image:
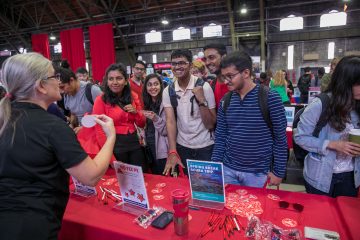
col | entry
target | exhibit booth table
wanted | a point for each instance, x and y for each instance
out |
(88, 218)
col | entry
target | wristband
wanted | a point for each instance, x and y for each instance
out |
(174, 152)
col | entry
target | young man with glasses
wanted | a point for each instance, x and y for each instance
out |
(189, 134)
(213, 53)
(137, 80)
(251, 150)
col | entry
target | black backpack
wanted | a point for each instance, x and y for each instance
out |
(263, 103)
(174, 97)
(299, 152)
(88, 94)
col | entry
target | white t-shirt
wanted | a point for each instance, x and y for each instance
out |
(191, 131)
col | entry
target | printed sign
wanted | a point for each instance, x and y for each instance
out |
(290, 114)
(132, 185)
(206, 180)
(82, 189)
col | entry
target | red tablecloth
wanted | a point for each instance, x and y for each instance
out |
(87, 218)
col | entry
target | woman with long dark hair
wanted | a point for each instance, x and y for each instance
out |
(123, 106)
(332, 166)
(155, 131)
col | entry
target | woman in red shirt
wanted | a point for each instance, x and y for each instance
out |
(123, 106)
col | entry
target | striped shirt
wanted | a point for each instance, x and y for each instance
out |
(243, 141)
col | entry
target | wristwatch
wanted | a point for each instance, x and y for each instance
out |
(204, 104)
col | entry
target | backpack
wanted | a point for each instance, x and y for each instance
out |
(213, 84)
(263, 103)
(299, 152)
(174, 97)
(88, 94)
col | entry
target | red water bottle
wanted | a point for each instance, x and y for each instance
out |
(180, 200)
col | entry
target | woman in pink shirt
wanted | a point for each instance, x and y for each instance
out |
(123, 106)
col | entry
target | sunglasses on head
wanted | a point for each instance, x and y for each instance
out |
(296, 206)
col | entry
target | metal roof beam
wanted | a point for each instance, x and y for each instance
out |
(60, 20)
(84, 10)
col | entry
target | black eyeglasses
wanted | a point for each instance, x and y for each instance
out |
(296, 206)
(229, 77)
(56, 76)
(180, 64)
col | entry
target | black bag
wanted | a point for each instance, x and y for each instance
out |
(299, 152)
(88, 94)
(174, 97)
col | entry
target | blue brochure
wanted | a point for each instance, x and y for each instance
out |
(206, 180)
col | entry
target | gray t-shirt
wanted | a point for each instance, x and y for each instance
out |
(78, 104)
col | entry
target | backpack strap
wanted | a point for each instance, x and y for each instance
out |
(88, 94)
(173, 98)
(325, 101)
(199, 82)
(213, 84)
(263, 103)
(225, 102)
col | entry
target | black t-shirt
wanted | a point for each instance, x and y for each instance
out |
(33, 180)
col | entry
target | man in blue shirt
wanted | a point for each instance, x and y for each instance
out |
(251, 151)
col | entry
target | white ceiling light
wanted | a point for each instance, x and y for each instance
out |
(164, 21)
(52, 37)
(243, 9)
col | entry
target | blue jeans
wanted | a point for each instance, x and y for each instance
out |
(244, 178)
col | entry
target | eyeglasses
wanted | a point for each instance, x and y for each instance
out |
(180, 64)
(229, 77)
(155, 84)
(296, 206)
(56, 76)
(139, 69)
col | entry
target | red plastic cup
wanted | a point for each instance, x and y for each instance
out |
(180, 200)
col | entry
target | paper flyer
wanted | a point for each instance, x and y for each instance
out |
(132, 185)
(82, 189)
(206, 180)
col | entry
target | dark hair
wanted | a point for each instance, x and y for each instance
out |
(65, 64)
(263, 75)
(140, 62)
(65, 74)
(241, 61)
(307, 69)
(321, 71)
(218, 47)
(286, 74)
(148, 103)
(345, 76)
(82, 70)
(182, 53)
(109, 96)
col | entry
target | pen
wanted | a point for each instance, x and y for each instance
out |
(193, 208)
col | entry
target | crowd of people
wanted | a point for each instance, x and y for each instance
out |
(213, 111)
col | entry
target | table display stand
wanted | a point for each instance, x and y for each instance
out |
(206, 204)
(130, 208)
(86, 194)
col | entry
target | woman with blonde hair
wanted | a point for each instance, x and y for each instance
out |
(279, 84)
(38, 151)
